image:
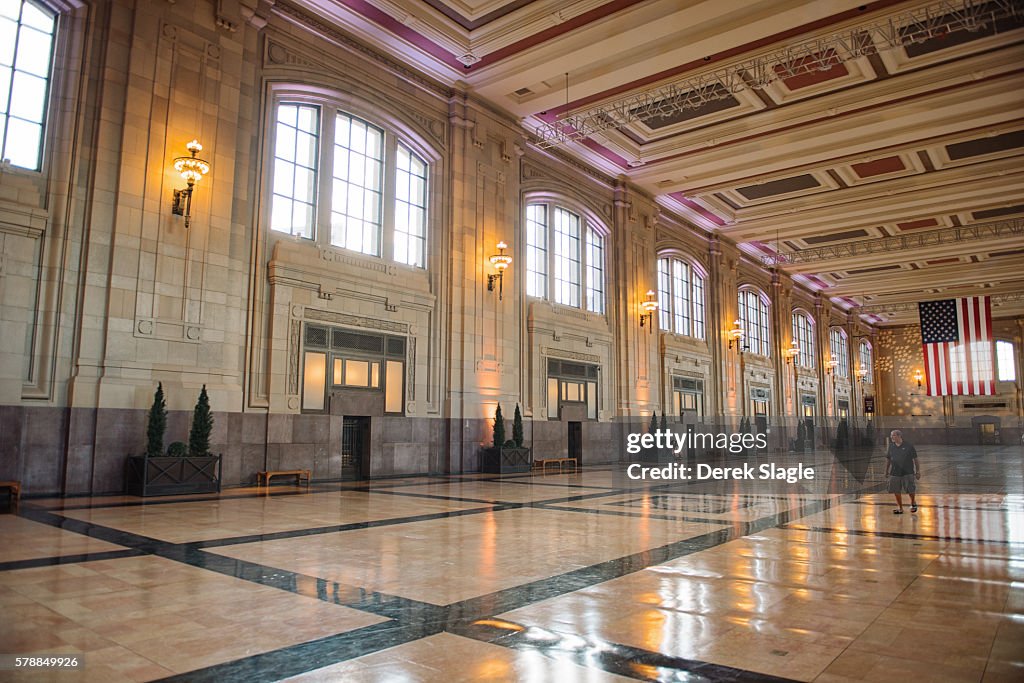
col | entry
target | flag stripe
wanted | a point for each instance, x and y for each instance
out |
(956, 340)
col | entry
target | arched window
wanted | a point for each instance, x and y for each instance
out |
(840, 351)
(26, 29)
(803, 335)
(866, 369)
(572, 269)
(680, 297)
(1006, 368)
(344, 182)
(753, 310)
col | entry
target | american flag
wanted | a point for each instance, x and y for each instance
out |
(956, 335)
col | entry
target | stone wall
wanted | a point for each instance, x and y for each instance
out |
(104, 293)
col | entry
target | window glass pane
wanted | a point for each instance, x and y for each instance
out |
(375, 375)
(664, 293)
(358, 153)
(698, 306)
(592, 400)
(680, 297)
(28, 97)
(314, 381)
(36, 18)
(567, 257)
(23, 143)
(357, 373)
(305, 150)
(10, 9)
(8, 33)
(753, 312)
(572, 391)
(33, 52)
(410, 209)
(1005, 364)
(394, 385)
(336, 379)
(866, 364)
(295, 169)
(595, 271)
(537, 251)
(839, 351)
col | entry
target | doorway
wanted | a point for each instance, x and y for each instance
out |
(355, 447)
(576, 441)
(808, 406)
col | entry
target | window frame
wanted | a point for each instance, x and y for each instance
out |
(752, 299)
(803, 335)
(396, 132)
(869, 364)
(695, 279)
(50, 79)
(591, 290)
(1013, 360)
(839, 351)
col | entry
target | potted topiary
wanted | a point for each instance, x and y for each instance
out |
(506, 455)
(184, 469)
(655, 454)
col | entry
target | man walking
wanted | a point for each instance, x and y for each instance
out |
(902, 470)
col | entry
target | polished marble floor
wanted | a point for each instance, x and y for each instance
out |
(558, 577)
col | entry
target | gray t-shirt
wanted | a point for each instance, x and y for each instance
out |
(902, 457)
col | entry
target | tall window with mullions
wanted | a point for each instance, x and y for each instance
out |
(753, 311)
(296, 152)
(680, 297)
(26, 61)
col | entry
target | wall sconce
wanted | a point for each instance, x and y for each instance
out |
(832, 366)
(919, 376)
(500, 261)
(792, 352)
(736, 334)
(862, 374)
(649, 306)
(192, 169)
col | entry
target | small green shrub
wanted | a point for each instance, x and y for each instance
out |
(178, 449)
(499, 428)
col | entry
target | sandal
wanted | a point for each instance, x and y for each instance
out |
(897, 511)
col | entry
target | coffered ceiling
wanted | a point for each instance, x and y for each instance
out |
(818, 135)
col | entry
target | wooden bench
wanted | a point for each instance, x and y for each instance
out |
(560, 462)
(263, 477)
(15, 489)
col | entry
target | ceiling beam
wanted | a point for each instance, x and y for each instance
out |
(909, 27)
(956, 234)
(907, 306)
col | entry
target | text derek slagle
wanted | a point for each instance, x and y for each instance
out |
(704, 472)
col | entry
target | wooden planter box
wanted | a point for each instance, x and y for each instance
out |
(505, 460)
(166, 475)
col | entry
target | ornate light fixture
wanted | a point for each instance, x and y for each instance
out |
(862, 374)
(500, 261)
(919, 376)
(792, 352)
(192, 169)
(649, 307)
(736, 334)
(832, 364)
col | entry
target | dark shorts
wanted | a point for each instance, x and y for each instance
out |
(905, 484)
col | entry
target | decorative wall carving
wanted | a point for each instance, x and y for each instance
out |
(328, 31)
(294, 335)
(356, 321)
